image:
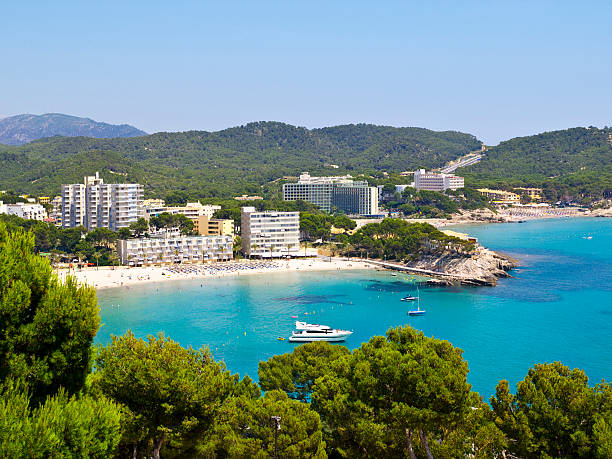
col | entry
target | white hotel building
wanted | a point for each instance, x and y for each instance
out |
(432, 181)
(192, 210)
(27, 211)
(174, 249)
(95, 204)
(270, 234)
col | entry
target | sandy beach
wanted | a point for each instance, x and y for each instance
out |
(121, 276)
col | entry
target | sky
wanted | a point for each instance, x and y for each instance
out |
(494, 69)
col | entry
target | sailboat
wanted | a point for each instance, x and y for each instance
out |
(411, 297)
(418, 311)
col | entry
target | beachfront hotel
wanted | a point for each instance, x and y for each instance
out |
(27, 211)
(334, 193)
(432, 181)
(95, 204)
(174, 249)
(500, 196)
(270, 234)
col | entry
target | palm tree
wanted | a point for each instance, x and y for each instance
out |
(96, 255)
(254, 247)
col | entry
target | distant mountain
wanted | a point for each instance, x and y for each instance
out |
(229, 162)
(20, 129)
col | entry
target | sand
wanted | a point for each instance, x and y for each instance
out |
(121, 276)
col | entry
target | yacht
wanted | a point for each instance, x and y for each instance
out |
(314, 332)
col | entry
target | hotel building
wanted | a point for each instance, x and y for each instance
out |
(27, 211)
(193, 210)
(500, 196)
(174, 249)
(432, 181)
(206, 226)
(270, 234)
(535, 194)
(331, 193)
(95, 204)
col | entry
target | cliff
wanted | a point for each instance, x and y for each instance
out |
(481, 267)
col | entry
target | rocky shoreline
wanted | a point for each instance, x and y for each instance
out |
(480, 267)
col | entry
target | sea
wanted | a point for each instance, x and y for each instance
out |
(557, 306)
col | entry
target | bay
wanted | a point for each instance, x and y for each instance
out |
(557, 306)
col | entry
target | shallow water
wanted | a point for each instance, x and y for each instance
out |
(558, 306)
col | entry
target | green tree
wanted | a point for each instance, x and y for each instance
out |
(47, 326)
(296, 372)
(394, 394)
(245, 428)
(553, 413)
(63, 426)
(139, 227)
(172, 393)
(124, 233)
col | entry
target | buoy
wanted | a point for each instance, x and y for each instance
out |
(244, 333)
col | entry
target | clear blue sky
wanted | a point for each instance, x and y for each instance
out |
(494, 69)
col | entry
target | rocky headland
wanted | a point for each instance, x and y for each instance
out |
(478, 267)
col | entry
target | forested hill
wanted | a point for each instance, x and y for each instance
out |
(20, 129)
(576, 161)
(229, 162)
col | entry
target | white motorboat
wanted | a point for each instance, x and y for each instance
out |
(306, 333)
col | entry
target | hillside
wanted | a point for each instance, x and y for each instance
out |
(576, 162)
(20, 129)
(228, 162)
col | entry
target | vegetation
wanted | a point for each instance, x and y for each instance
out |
(45, 357)
(554, 413)
(62, 426)
(403, 394)
(396, 239)
(47, 326)
(191, 165)
(574, 163)
(433, 204)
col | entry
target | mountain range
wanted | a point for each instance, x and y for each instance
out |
(254, 158)
(20, 129)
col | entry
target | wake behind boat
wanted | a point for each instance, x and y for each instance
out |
(306, 333)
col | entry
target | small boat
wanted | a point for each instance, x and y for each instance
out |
(394, 274)
(306, 333)
(280, 338)
(410, 298)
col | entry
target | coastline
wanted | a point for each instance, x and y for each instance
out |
(125, 277)
(512, 215)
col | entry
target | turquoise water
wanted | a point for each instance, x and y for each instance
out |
(558, 306)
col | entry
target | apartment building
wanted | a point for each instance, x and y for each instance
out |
(174, 249)
(334, 193)
(206, 226)
(191, 210)
(270, 234)
(27, 211)
(432, 181)
(95, 204)
(500, 196)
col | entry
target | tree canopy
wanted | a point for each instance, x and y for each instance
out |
(47, 326)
